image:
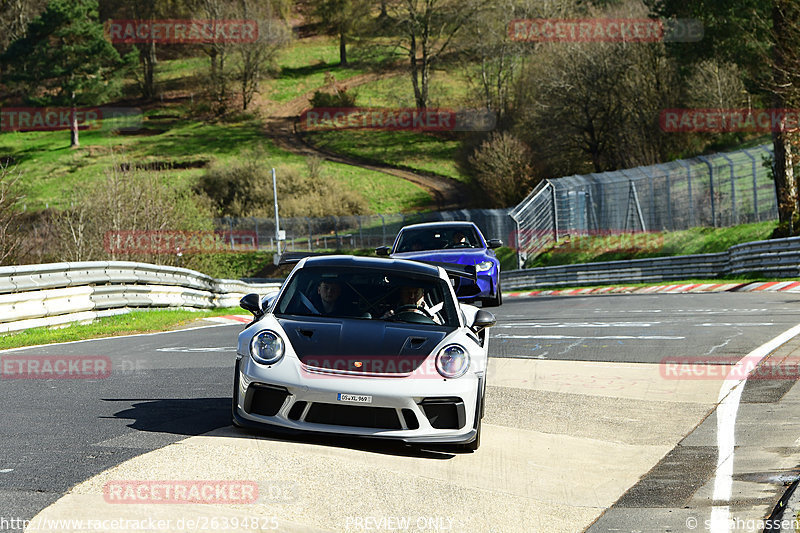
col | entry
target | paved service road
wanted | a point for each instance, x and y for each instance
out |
(582, 430)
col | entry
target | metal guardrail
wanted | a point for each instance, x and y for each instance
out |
(60, 293)
(779, 258)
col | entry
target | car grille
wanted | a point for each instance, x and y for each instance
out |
(355, 416)
(445, 413)
(264, 400)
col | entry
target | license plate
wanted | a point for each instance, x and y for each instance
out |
(354, 398)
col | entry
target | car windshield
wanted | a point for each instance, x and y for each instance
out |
(369, 294)
(439, 238)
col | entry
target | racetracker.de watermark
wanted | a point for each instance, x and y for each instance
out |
(331, 367)
(181, 491)
(55, 367)
(61, 118)
(729, 120)
(395, 119)
(189, 31)
(141, 242)
(606, 30)
(728, 368)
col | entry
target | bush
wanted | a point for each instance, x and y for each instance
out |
(502, 166)
(339, 98)
(245, 190)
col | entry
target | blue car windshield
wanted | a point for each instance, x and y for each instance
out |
(439, 238)
(370, 294)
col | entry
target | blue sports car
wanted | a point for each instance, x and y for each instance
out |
(453, 242)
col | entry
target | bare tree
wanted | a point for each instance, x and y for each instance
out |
(429, 29)
(252, 60)
(10, 236)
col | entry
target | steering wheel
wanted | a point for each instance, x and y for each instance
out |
(411, 308)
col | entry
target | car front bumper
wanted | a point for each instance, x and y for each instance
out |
(288, 398)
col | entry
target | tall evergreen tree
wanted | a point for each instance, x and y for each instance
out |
(65, 60)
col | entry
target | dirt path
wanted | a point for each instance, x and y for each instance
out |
(280, 127)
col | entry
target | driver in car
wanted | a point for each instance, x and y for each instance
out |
(412, 300)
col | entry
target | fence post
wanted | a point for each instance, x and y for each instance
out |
(710, 165)
(755, 184)
(555, 211)
(686, 164)
(310, 236)
(670, 223)
(360, 234)
(735, 209)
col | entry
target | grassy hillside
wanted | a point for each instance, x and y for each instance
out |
(182, 138)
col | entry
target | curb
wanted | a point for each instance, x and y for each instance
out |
(769, 286)
(788, 502)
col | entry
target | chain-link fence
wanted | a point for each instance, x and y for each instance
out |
(351, 232)
(716, 190)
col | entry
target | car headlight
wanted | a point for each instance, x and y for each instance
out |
(452, 361)
(266, 348)
(483, 266)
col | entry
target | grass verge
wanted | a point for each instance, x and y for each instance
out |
(146, 321)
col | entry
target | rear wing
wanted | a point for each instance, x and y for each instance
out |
(453, 269)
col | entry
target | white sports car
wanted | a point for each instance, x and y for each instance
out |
(365, 347)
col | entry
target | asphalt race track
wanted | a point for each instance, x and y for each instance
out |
(584, 428)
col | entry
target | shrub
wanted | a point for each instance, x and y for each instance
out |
(503, 170)
(244, 189)
(339, 98)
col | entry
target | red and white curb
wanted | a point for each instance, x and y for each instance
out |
(770, 286)
(230, 319)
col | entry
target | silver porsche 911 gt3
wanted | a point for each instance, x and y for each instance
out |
(365, 347)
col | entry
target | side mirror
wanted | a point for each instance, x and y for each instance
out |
(252, 302)
(494, 243)
(483, 319)
(382, 250)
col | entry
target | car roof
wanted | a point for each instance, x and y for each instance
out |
(442, 224)
(350, 261)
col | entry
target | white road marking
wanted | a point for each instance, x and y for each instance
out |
(577, 325)
(6, 470)
(610, 337)
(185, 349)
(730, 325)
(729, 395)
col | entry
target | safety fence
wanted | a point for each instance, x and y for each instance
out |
(61, 293)
(352, 232)
(718, 190)
(778, 258)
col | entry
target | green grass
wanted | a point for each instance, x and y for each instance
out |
(51, 170)
(644, 245)
(307, 65)
(131, 323)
